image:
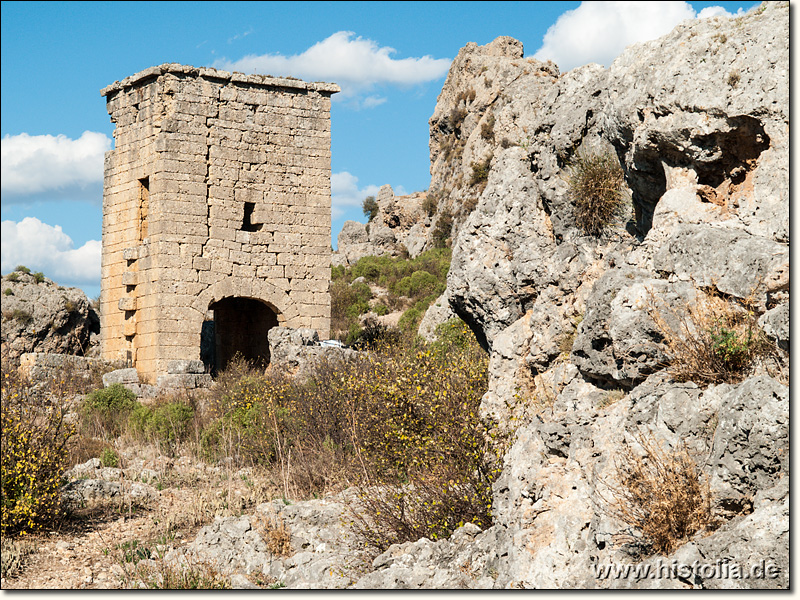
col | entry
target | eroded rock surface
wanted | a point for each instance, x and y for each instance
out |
(41, 316)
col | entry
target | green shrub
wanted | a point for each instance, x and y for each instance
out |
(370, 207)
(371, 268)
(338, 272)
(429, 204)
(109, 457)
(8, 292)
(480, 172)
(410, 319)
(419, 283)
(12, 277)
(22, 269)
(381, 309)
(38, 277)
(595, 182)
(105, 412)
(33, 452)
(454, 333)
(166, 423)
(443, 229)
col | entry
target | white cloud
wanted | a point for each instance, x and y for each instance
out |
(356, 64)
(598, 32)
(37, 164)
(718, 11)
(373, 101)
(42, 247)
(345, 193)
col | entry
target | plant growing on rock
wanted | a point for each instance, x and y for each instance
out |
(660, 494)
(480, 171)
(429, 204)
(19, 315)
(595, 186)
(443, 228)
(715, 340)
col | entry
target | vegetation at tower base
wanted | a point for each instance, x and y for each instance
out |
(401, 420)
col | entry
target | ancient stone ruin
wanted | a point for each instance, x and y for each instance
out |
(216, 215)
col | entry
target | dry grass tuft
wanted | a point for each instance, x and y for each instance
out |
(660, 494)
(595, 181)
(713, 341)
(274, 532)
(163, 576)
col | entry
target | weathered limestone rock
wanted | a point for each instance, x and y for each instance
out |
(217, 198)
(618, 342)
(296, 351)
(401, 225)
(46, 318)
(41, 365)
(714, 152)
(437, 314)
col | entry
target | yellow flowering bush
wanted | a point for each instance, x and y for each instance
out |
(34, 452)
(400, 421)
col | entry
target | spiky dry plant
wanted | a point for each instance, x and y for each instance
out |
(658, 493)
(595, 180)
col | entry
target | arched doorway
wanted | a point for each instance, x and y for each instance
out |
(239, 326)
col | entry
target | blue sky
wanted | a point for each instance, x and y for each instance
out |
(391, 59)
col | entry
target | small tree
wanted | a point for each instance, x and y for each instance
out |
(370, 207)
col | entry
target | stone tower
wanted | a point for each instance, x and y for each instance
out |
(216, 215)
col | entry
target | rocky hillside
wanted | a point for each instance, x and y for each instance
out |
(638, 367)
(699, 123)
(587, 332)
(400, 226)
(41, 316)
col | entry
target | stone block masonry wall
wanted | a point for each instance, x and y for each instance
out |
(217, 194)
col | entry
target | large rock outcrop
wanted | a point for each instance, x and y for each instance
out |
(41, 316)
(699, 122)
(401, 225)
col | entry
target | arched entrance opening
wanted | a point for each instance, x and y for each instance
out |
(239, 326)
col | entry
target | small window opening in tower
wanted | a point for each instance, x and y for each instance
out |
(144, 206)
(247, 224)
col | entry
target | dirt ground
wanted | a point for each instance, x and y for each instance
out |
(106, 545)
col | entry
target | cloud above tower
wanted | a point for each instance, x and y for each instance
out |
(357, 64)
